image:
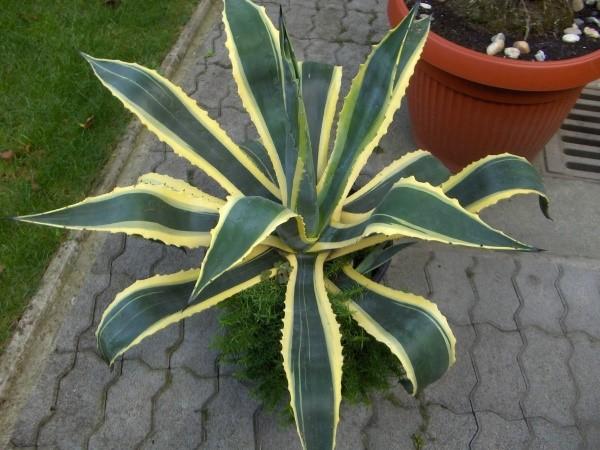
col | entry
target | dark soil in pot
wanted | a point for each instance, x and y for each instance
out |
(476, 37)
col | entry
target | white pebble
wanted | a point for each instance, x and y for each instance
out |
(572, 30)
(591, 32)
(498, 37)
(512, 52)
(523, 47)
(570, 38)
(495, 47)
(590, 2)
(425, 5)
(540, 56)
(577, 5)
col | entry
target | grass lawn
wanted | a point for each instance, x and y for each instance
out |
(47, 92)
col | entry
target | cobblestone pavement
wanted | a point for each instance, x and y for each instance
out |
(527, 325)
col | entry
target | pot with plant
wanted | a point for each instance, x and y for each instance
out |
(288, 234)
(499, 76)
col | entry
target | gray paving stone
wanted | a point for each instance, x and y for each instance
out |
(127, 417)
(499, 434)
(229, 417)
(328, 25)
(113, 246)
(79, 405)
(175, 166)
(592, 435)
(542, 305)
(350, 56)
(581, 288)
(79, 317)
(407, 270)
(363, 5)
(274, 433)
(586, 367)
(399, 140)
(299, 19)
(139, 257)
(234, 122)
(551, 391)
(380, 25)
(176, 259)
(217, 53)
(498, 301)
(452, 291)
(356, 27)
(155, 350)
(447, 430)
(178, 412)
(453, 389)
(213, 85)
(188, 76)
(353, 420)
(196, 351)
(501, 384)
(396, 419)
(145, 161)
(206, 184)
(41, 401)
(322, 51)
(549, 436)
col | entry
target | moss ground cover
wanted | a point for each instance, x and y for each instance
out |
(57, 125)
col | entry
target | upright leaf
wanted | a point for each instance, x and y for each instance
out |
(299, 166)
(321, 85)
(253, 45)
(368, 110)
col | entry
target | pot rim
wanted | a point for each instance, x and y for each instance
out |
(502, 72)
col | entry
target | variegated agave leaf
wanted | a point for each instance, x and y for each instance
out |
(289, 202)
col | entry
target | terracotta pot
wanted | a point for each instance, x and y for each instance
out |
(465, 105)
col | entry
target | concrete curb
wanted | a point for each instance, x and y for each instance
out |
(21, 362)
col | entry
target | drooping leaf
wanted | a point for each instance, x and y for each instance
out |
(411, 326)
(419, 210)
(157, 207)
(419, 164)
(177, 120)
(148, 306)
(496, 177)
(312, 353)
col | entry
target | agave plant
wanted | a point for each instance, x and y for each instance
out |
(290, 207)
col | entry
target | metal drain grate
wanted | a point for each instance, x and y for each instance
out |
(575, 149)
